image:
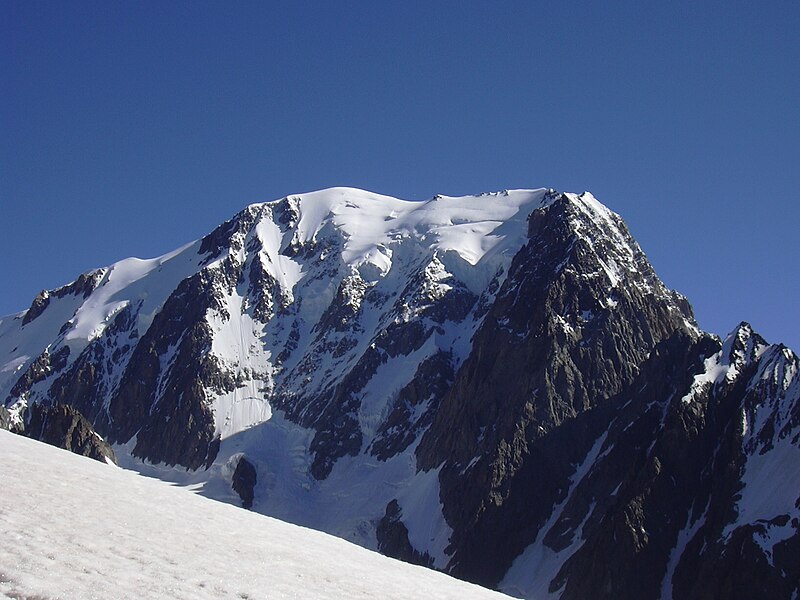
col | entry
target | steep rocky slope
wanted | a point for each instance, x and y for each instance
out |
(497, 386)
(62, 426)
(691, 490)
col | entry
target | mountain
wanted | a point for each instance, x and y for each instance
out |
(118, 535)
(495, 386)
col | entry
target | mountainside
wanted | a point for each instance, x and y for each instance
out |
(496, 386)
(117, 535)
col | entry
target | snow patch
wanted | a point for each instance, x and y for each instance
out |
(15, 364)
(422, 515)
(684, 537)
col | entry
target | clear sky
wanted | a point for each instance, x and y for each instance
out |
(129, 128)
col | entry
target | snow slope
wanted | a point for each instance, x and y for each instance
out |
(75, 528)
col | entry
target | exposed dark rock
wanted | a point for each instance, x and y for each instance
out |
(291, 343)
(338, 433)
(38, 306)
(230, 235)
(665, 467)
(83, 286)
(561, 338)
(88, 382)
(63, 426)
(287, 212)
(333, 416)
(425, 299)
(393, 539)
(180, 429)
(743, 570)
(654, 445)
(265, 291)
(244, 481)
(41, 368)
(415, 406)
(342, 311)
(5, 418)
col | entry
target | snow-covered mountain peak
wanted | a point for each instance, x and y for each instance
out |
(306, 257)
(741, 351)
(742, 346)
(377, 258)
(439, 380)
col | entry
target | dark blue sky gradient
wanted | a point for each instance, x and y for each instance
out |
(131, 128)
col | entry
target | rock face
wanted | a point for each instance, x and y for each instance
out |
(244, 481)
(393, 539)
(563, 336)
(498, 386)
(63, 426)
(668, 503)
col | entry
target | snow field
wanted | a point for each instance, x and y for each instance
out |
(75, 528)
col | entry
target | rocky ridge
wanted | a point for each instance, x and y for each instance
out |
(60, 425)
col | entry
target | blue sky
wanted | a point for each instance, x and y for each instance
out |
(127, 129)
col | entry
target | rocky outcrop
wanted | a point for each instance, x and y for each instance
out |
(63, 426)
(393, 541)
(37, 307)
(90, 380)
(5, 418)
(414, 407)
(172, 360)
(563, 336)
(244, 481)
(83, 286)
(662, 506)
(651, 466)
(39, 370)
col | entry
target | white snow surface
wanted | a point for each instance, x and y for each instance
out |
(76, 528)
(466, 225)
(237, 343)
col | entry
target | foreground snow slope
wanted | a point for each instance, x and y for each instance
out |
(74, 528)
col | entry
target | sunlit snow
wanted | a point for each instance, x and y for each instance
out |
(74, 528)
